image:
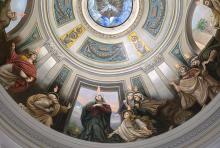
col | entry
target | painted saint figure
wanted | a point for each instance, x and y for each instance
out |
(6, 15)
(214, 5)
(95, 119)
(44, 107)
(193, 87)
(19, 72)
(131, 129)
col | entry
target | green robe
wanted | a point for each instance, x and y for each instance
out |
(96, 122)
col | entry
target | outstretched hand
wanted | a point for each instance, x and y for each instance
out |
(110, 135)
(69, 106)
(29, 79)
(172, 83)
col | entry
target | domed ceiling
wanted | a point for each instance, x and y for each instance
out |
(113, 35)
(92, 51)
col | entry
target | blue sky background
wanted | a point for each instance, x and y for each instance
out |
(17, 6)
(200, 12)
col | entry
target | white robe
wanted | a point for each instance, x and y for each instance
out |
(130, 130)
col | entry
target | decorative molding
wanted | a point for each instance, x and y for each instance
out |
(155, 17)
(153, 63)
(54, 51)
(177, 53)
(32, 38)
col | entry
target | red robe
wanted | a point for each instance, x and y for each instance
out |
(18, 65)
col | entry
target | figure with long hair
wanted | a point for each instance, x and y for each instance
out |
(95, 119)
(44, 107)
(131, 129)
(19, 72)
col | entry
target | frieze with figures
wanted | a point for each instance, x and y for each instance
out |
(102, 52)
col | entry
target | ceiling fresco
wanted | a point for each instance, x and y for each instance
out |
(110, 71)
(110, 13)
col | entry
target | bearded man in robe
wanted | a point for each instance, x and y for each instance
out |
(210, 58)
(95, 119)
(193, 87)
(214, 5)
(6, 15)
(19, 72)
(44, 107)
(195, 63)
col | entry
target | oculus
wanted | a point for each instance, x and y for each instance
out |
(110, 13)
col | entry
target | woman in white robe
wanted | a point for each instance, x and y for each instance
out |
(131, 129)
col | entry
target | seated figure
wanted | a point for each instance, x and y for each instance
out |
(214, 5)
(210, 58)
(147, 110)
(131, 129)
(19, 72)
(6, 15)
(195, 63)
(193, 87)
(44, 107)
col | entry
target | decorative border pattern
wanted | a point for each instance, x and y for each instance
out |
(72, 36)
(153, 63)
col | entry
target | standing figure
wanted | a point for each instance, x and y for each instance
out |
(44, 107)
(20, 72)
(95, 119)
(214, 5)
(131, 129)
